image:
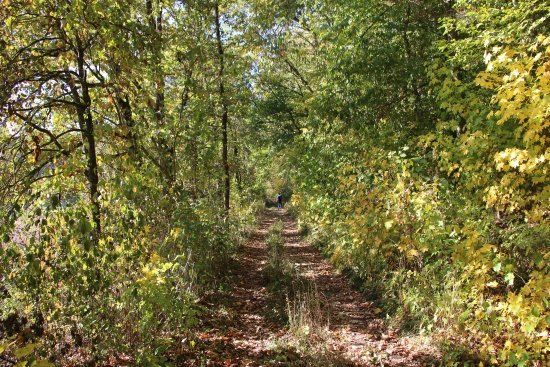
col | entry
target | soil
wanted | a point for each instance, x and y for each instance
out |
(312, 317)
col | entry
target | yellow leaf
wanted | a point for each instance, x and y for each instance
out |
(412, 253)
(176, 232)
(155, 257)
(388, 224)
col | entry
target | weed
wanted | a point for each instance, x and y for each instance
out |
(275, 242)
(306, 319)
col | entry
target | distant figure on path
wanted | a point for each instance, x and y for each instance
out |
(279, 201)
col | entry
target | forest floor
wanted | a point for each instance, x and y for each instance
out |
(308, 315)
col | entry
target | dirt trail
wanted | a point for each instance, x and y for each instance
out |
(248, 323)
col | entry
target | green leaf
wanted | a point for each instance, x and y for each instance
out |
(513, 358)
(535, 311)
(87, 244)
(85, 226)
(3, 346)
(26, 350)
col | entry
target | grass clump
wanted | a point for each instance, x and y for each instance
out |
(275, 242)
(307, 319)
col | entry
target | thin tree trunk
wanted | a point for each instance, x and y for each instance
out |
(166, 160)
(86, 124)
(238, 177)
(225, 115)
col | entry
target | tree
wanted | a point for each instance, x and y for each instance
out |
(225, 109)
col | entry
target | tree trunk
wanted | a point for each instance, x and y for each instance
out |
(238, 177)
(86, 124)
(166, 160)
(225, 115)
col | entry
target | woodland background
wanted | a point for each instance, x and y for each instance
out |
(139, 138)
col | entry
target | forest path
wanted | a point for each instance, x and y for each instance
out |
(259, 321)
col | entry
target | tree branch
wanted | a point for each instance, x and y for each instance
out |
(296, 72)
